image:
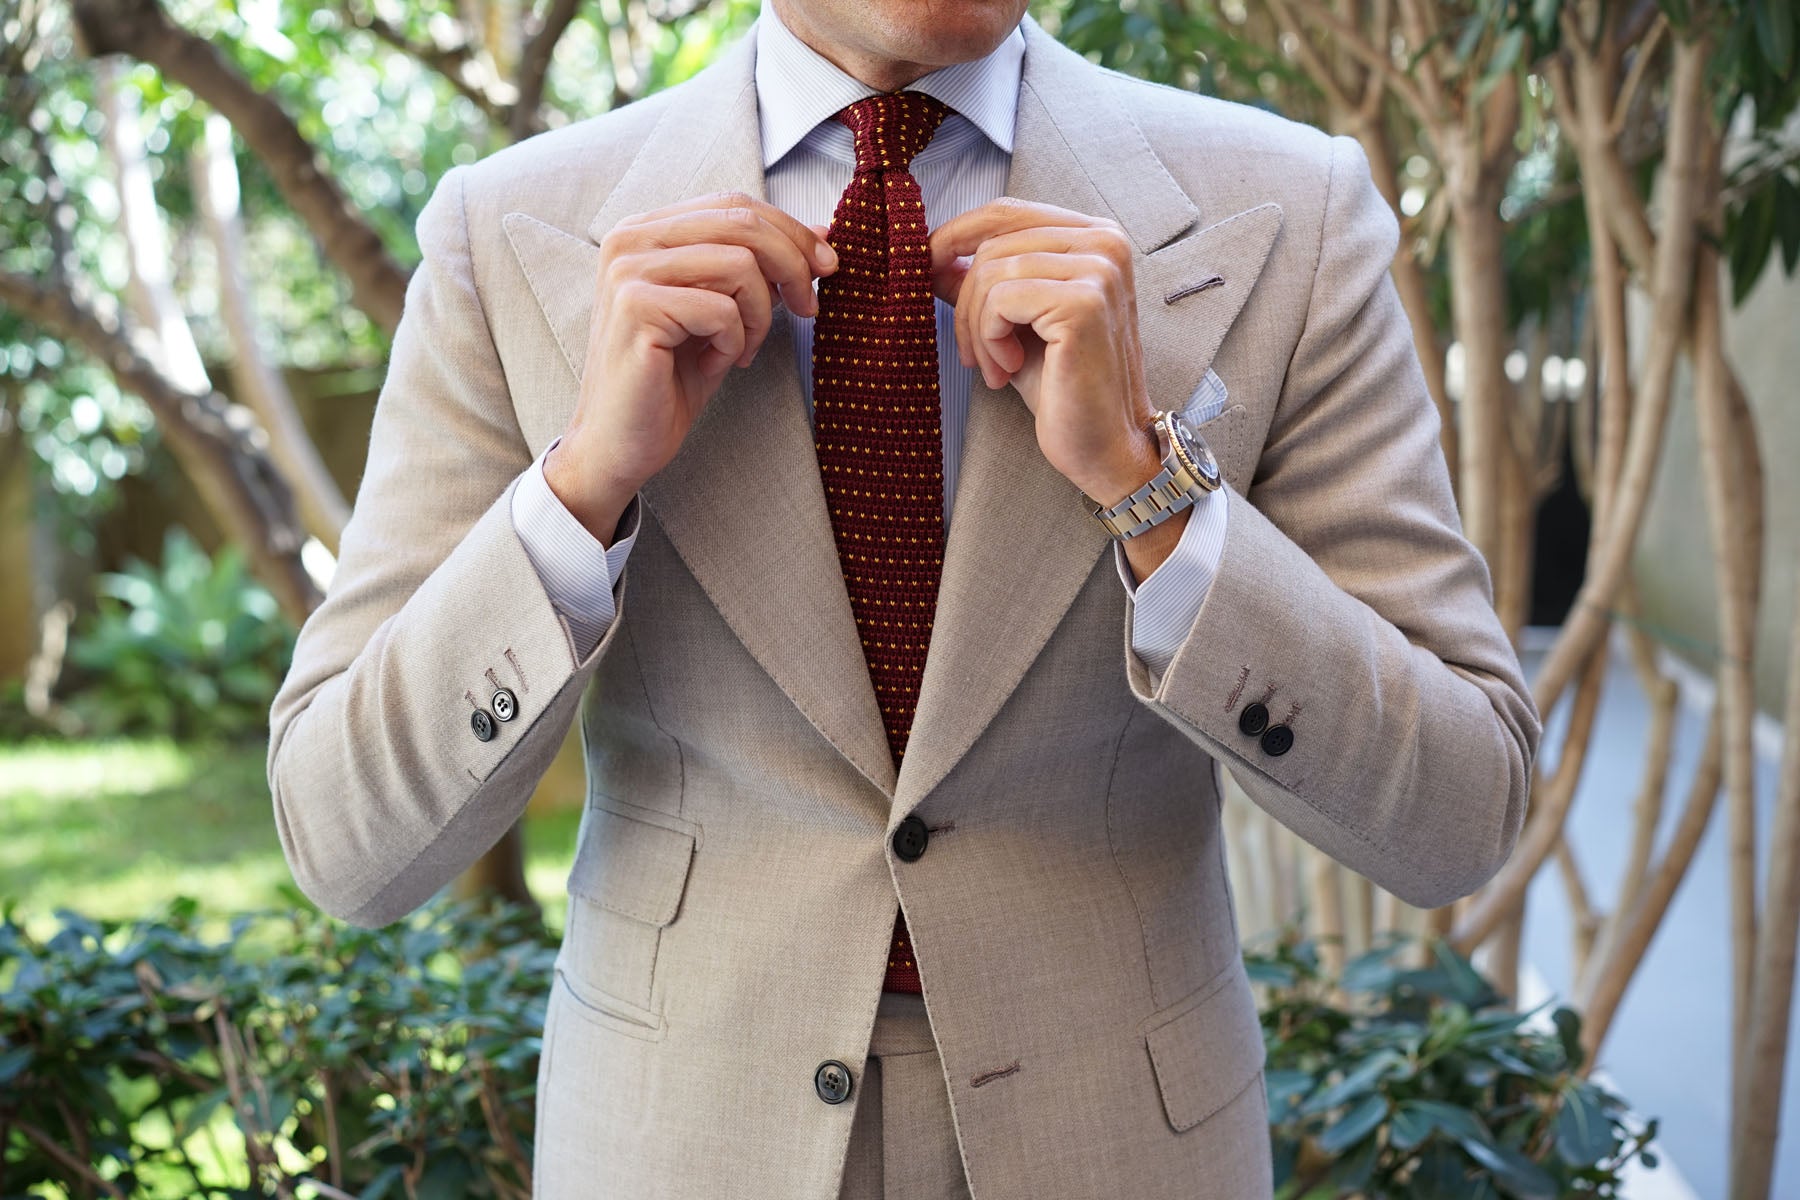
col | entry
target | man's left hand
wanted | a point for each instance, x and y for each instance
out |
(1045, 301)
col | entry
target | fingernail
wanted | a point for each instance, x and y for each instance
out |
(827, 257)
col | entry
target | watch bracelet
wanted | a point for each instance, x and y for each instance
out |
(1145, 508)
(1165, 494)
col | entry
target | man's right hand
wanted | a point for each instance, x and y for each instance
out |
(683, 294)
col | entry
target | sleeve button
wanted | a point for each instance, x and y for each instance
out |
(1254, 719)
(1277, 740)
(506, 705)
(482, 724)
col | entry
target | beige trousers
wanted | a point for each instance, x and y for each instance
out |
(902, 1140)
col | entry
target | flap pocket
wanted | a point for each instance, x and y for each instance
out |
(1207, 1047)
(631, 866)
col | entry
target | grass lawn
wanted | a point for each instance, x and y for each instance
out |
(117, 829)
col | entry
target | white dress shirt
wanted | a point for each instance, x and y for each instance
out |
(808, 161)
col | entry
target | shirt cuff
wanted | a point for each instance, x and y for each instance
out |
(578, 573)
(1168, 600)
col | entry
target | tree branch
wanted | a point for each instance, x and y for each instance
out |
(455, 63)
(1351, 39)
(217, 447)
(534, 68)
(140, 29)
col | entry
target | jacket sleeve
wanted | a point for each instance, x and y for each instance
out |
(1350, 605)
(382, 790)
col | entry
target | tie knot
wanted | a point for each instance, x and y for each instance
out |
(892, 127)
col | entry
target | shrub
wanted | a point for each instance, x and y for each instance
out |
(193, 648)
(381, 1062)
(146, 1059)
(1428, 1085)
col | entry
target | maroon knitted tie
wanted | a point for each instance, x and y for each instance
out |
(876, 415)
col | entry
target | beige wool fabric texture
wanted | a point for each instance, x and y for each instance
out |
(733, 888)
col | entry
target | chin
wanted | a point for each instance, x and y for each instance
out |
(938, 34)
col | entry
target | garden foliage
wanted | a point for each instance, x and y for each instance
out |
(192, 648)
(1422, 1082)
(149, 1058)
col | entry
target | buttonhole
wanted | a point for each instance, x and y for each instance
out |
(946, 827)
(493, 679)
(1293, 711)
(512, 658)
(470, 697)
(1211, 281)
(1237, 689)
(997, 1073)
(1267, 692)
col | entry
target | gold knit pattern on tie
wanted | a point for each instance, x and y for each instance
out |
(877, 416)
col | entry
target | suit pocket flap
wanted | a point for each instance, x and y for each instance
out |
(631, 866)
(1208, 1049)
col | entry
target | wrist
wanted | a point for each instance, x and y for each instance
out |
(1137, 464)
(593, 496)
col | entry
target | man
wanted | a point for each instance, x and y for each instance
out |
(901, 872)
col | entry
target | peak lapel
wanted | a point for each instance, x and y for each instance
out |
(742, 500)
(1021, 542)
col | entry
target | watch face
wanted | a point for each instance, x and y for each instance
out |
(1194, 450)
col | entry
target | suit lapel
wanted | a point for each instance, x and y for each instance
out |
(742, 501)
(1021, 542)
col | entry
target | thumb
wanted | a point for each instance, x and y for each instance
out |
(947, 280)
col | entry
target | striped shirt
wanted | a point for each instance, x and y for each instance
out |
(808, 160)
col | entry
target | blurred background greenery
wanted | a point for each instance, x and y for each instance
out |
(206, 227)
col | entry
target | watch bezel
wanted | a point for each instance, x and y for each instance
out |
(1189, 448)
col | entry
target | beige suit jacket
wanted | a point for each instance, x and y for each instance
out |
(734, 887)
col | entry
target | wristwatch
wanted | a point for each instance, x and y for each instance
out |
(1189, 472)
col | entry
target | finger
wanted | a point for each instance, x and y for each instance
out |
(1034, 303)
(668, 317)
(1100, 239)
(964, 234)
(731, 270)
(809, 239)
(1005, 353)
(779, 259)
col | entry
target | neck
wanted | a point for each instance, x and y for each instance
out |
(882, 74)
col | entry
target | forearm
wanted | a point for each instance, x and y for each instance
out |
(1408, 768)
(382, 789)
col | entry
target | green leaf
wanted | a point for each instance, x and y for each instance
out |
(1410, 1127)
(1354, 1125)
(1752, 237)
(1775, 33)
(1584, 1133)
(1504, 59)
(1515, 1174)
(1543, 18)
(1371, 971)
(1350, 1174)
(1360, 1081)
(1787, 208)
(1568, 1032)
(1283, 1088)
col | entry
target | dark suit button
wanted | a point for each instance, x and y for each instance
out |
(832, 1081)
(910, 838)
(506, 705)
(1254, 719)
(482, 724)
(1276, 739)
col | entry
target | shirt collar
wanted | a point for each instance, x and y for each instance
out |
(797, 87)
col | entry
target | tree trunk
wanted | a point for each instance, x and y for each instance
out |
(322, 506)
